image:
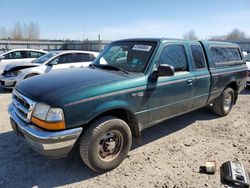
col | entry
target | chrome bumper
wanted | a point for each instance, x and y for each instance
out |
(51, 144)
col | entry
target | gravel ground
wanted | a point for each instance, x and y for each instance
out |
(170, 155)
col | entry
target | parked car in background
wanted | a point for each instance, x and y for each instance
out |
(16, 72)
(248, 67)
(20, 55)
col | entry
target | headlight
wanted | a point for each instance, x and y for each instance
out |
(13, 73)
(41, 110)
(48, 117)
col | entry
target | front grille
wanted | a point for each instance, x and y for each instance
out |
(23, 106)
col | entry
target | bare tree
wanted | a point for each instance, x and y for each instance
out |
(3, 33)
(190, 35)
(20, 31)
(235, 34)
(33, 31)
(17, 33)
(217, 37)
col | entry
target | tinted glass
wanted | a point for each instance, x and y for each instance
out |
(222, 54)
(67, 58)
(16, 55)
(219, 54)
(198, 57)
(82, 58)
(132, 56)
(34, 54)
(45, 57)
(233, 54)
(175, 56)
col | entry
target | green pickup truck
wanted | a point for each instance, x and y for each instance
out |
(132, 85)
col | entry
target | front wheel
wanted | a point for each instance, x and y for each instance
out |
(105, 143)
(223, 104)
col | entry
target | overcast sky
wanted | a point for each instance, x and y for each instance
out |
(116, 19)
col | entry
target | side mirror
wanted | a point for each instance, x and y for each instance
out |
(165, 70)
(1, 57)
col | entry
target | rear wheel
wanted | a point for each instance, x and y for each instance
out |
(223, 104)
(105, 143)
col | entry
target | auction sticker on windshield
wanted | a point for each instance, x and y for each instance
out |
(140, 47)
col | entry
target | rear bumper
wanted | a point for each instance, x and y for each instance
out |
(52, 144)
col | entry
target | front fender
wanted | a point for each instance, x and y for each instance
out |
(107, 106)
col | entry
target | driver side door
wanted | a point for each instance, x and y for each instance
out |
(172, 95)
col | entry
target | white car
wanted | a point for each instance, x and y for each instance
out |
(20, 56)
(16, 72)
(248, 67)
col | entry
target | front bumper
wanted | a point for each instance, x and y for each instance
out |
(52, 144)
(8, 82)
(248, 81)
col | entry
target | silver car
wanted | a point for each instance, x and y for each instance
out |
(16, 72)
(248, 67)
(20, 56)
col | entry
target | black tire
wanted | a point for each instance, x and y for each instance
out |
(30, 75)
(108, 136)
(224, 103)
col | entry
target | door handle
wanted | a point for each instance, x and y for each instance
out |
(71, 66)
(190, 82)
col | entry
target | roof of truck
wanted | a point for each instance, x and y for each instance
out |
(178, 40)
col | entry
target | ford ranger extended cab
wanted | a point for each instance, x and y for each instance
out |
(133, 84)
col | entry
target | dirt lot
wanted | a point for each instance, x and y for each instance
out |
(170, 155)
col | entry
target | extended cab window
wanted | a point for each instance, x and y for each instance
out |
(198, 57)
(174, 55)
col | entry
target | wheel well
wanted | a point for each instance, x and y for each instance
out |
(234, 86)
(31, 74)
(126, 116)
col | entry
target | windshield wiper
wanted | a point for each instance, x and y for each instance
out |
(108, 66)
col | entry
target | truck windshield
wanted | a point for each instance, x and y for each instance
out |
(131, 56)
(45, 58)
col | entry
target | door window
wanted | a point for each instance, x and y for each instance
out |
(174, 55)
(16, 55)
(32, 54)
(82, 58)
(67, 58)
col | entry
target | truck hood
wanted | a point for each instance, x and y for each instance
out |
(50, 87)
(16, 66)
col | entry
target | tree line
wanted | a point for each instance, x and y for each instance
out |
(21, 31)
(31, 31)
(235, 34)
